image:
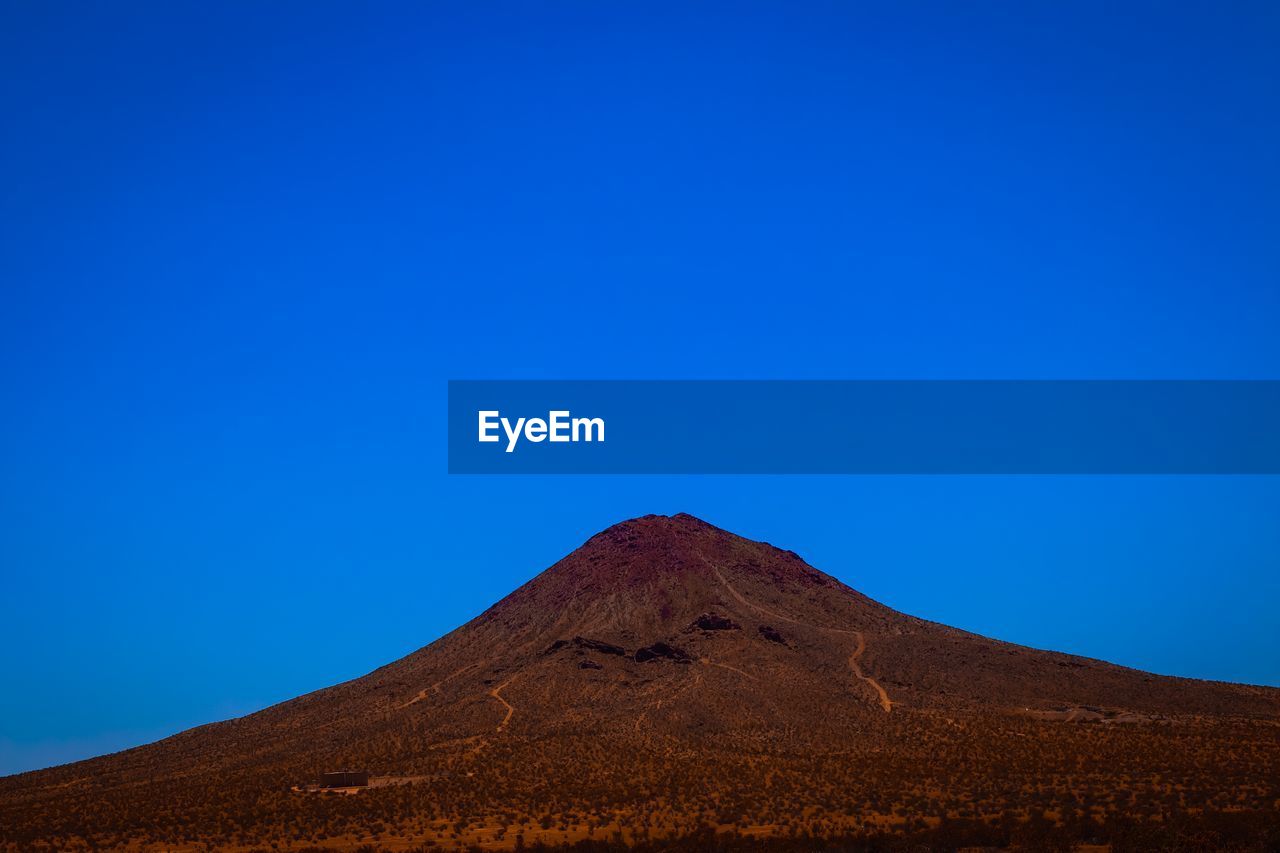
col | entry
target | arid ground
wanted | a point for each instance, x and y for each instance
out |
(672, 686)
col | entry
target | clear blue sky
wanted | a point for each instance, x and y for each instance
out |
(244, 245)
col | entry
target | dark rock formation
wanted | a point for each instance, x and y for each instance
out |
(771, 635)
(713, 622)
(662, 651)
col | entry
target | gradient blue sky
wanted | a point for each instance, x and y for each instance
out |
(245, 245)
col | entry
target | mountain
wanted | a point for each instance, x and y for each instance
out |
(669, 680)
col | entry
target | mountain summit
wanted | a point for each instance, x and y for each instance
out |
(665, 676)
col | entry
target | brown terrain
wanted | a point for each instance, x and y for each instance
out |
(669, 685)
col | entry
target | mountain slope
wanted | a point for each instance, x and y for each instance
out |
(668, 674)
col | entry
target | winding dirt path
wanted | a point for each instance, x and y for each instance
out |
(510, 708)
(710, 662)
(856, 665)
(435, 688)
(855, 659)
(757, 608)
(476, 742)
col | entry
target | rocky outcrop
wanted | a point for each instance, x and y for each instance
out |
(713, 622)
(662, 651)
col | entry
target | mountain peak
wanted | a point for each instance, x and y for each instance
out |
(668, 655)
(648, 578)
(680, 542)
(653, 523)
(656, 534)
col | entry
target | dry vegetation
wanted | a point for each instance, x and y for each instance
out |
(993, 781)
(670, 686)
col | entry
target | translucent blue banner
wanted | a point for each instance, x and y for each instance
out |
(864, 427)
